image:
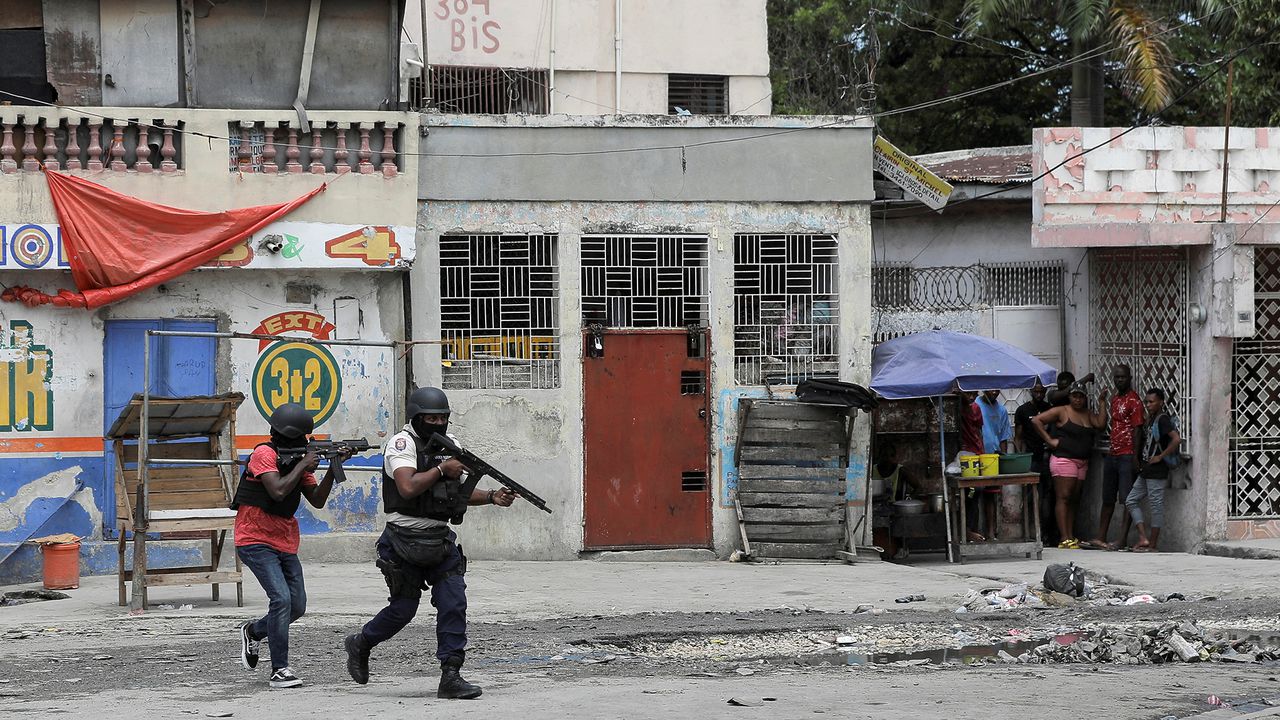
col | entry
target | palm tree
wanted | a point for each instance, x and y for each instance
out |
(1133, 32)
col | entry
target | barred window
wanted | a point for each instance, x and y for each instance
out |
(499, 308)
(644, 281)
(697, 94)
(786, 307)
(483, 90)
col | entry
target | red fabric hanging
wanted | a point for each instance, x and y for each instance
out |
(118, 245)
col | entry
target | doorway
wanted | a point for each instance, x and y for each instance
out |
(646, 439)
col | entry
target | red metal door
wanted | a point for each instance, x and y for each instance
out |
(646, 424)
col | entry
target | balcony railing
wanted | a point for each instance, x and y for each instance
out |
(330, 147)
(62, 140)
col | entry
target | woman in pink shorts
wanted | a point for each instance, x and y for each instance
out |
(1074, 430)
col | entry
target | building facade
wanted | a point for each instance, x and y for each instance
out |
(513, 250)
(592, 57)
(1179, 232)
(142, 125)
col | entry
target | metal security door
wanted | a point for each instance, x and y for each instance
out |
(647, 448)
(1253, 486)
(179, 366)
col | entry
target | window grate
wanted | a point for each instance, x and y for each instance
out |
(693, 481)
(499, 311)
(693, 382)
(786, 307)
(698, 94)
(644, 281)
(483, 90)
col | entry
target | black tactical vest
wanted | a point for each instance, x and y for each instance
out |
(445, 500)
(255, 493)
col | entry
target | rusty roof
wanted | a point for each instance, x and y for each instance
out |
(991, 166)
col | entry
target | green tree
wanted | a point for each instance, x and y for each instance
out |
(1135, 34)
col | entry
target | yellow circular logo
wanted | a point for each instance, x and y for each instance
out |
(296, 372)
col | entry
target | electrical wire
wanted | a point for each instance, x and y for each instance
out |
(683, 146)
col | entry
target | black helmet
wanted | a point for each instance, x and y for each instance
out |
(292, 421)
(427, 401)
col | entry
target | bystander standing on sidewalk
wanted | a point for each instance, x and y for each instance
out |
(1160, 452)
(1119, 467)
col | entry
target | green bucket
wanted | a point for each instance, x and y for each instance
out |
(1015, 463)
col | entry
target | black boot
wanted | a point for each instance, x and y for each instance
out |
(358, 657)
(452, 685)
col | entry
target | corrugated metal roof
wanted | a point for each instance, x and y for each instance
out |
(993, 166)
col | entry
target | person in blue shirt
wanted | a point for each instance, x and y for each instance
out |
(997, 433)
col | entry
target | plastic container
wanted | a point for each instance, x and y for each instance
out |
(989, 464)
(1015, 463)
(61, 566)
(969, 466)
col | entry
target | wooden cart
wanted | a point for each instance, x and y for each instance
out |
(1027, 545)
(183, 490)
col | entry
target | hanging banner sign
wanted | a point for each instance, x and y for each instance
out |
(911, 176)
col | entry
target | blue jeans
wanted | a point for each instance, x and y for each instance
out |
(280, 575)
(448, 595)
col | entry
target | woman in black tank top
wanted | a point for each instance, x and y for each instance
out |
(1071, 445)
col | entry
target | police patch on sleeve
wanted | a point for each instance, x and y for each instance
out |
(400, 443)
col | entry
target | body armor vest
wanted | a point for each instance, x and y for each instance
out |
(446, 500)
(256, 495)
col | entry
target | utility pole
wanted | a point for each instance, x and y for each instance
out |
(1226, 139)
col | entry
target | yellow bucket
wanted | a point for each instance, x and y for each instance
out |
(969, 466)
(989, 464)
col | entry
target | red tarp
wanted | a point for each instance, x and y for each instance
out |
(119, 245)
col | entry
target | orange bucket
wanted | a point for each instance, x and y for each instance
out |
(61, 566)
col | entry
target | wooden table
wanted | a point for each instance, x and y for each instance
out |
(1029, 542)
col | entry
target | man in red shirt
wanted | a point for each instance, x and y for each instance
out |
(266, 534)
(971, 442)
(1119, 468)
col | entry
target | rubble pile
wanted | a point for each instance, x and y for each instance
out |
(1168, 643)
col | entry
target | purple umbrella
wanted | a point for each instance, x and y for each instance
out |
(936, 362)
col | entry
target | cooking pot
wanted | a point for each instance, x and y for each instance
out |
(934, 502)
(909, 506)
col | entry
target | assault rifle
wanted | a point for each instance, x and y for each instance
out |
(327, 449)
(441, 445)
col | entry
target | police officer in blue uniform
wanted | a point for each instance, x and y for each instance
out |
(421, 495)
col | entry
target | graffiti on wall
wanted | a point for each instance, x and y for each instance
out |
(470, 23)
(320, 245)
(26, 400)
(296, 372)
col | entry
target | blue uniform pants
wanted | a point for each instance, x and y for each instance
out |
(448, 595)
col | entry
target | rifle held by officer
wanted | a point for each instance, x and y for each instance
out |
(441, 445)
(329, 450)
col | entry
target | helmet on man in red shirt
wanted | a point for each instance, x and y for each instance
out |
(291, 421)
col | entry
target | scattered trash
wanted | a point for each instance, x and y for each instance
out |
(1170, 642)
(745, 671)
(1066, 579)
(845, 640)
(104, 657)
(1215, 701)
(220, 713)
(599, 660)
(863, 609)
(910, 599)
(22, 597)
(1140, 600)
(744, 702)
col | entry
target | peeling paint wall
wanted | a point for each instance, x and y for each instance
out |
(537, 435)
(1156, 186)
(40, 468)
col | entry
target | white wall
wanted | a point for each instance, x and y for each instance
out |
(715, 37)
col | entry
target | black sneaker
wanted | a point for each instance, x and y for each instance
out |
(284, 678)
(248, 648)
